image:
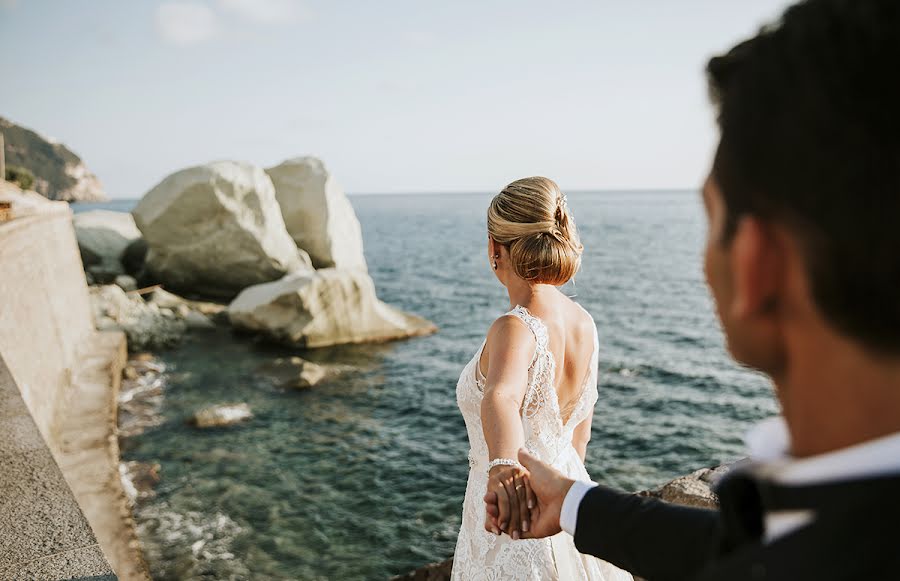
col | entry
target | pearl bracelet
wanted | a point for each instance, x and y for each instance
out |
(503, 462)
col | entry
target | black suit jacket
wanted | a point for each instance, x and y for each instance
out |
(854, 535)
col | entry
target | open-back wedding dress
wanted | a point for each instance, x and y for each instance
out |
(481, 555)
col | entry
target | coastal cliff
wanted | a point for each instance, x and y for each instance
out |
(58, 173)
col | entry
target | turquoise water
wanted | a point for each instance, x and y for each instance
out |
(364, 477)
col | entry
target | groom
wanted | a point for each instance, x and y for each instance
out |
(803, 261)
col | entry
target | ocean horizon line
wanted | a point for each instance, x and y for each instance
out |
(472, 193)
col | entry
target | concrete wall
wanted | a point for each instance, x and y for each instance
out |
(45, 322)
(45, 312)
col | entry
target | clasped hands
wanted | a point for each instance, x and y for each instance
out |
(525, 502)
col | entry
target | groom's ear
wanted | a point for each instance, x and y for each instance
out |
(756, 256)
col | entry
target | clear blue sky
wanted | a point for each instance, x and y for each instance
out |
(395, 96)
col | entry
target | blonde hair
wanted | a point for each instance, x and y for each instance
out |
(532, 219)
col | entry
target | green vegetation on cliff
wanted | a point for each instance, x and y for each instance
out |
(20, 176)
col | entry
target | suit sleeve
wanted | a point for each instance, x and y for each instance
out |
(646, 536)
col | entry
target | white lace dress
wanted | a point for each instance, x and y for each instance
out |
(481, 555)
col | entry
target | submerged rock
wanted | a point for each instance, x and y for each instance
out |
(294, 372)
(221, 415)
(431, 572)
(145, 325)
(216, 229)
(103, 237)
(318, 215)
(327, 307)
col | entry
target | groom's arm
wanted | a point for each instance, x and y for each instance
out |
(648, 537)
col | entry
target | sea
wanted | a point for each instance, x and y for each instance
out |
(363, 477)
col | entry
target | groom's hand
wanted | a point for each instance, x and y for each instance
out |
(549, 486)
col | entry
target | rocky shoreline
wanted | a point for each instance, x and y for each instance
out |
(213, 232)
(693, 489)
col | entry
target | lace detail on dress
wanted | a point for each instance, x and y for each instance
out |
(543, 366)
(484, 556)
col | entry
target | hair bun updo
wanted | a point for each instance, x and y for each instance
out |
(531, 218)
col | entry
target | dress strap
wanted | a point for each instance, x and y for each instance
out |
(540, 386)
(537, 327)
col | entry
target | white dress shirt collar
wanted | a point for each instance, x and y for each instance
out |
(769, 446)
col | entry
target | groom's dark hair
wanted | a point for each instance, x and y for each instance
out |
(809, 113)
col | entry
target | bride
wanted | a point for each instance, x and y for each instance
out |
(533, 384)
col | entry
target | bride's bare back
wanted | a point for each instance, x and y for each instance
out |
(570, 330)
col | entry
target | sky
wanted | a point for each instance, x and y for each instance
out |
(394, 96)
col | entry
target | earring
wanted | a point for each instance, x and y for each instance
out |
(496, 256)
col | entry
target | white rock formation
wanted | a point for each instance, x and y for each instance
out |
(216, 229)
(103, 236)
(317, 214)
(86, 186)
(327, 307)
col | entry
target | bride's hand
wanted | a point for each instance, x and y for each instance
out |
(547, 486)
(514, 500)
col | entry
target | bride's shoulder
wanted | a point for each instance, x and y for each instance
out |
(510, 330)
(583, 319)
(581, 315)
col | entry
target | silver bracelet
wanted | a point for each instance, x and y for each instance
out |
(503, 462)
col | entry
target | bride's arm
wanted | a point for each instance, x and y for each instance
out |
(510, 347)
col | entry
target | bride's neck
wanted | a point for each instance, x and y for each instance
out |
(523, 293)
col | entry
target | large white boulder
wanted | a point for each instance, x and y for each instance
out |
(327, 307)
(216, 229)
(317, 214)
(103, 236)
